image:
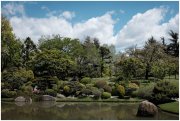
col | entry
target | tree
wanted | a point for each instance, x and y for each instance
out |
(28, 48)
(131, 67)
(152, 52)
(53, 63)
(173, 48)
(105, 54)
(10, 46)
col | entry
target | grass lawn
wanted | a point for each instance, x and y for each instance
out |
(170, 107)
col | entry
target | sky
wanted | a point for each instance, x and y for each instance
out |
(121, 23)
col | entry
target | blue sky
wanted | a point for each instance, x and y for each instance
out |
(113, 19)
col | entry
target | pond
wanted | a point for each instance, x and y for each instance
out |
(75, 111)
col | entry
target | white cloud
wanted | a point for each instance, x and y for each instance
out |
(136, 31)
(68, 14)
(100, 27)
(144, 25)
(13, 9)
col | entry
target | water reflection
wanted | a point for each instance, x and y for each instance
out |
(66, 111)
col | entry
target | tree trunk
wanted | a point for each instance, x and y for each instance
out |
(147, 72)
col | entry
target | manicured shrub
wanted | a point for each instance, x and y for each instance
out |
(107, 88)
(106, 95)
(121, 91)
(164, 91)
(66, 90)
(100, 84)
(28, 75)
(5, 93)
(27, 90)
(85, 80)
(50, 92)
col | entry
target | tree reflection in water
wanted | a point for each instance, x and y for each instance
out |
(76, 110)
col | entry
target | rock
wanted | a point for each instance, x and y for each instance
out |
(61, 96)
(20, 99)
(48, 98)
(23, 99)
(147, 108)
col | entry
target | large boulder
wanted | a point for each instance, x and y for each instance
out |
(20, 99)
(147, 108)
(48, 98)
(23, 99)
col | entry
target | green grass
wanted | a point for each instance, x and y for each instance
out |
(172, 107)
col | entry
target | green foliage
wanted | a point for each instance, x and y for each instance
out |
(27, 90)
(159, 69)
(106, 95)
(5, 93)
(131, 67)
(66, 90)
(10, 47)
(50, 92)
(107, 88)
(133, 86)
(85, 80)
(100, 83)
(54, 63)
(23, 73)
(121, 91)
(164, 91)
(96, 93)
(86, 91)
(144, 92)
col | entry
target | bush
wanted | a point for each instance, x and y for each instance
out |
(27, 90)
(5, 93)
(133, 86)
(107, 88)
(86, 92)
(121, 91)
(100, 84)
(106, 95)
(85, 80)
(164, 91)
(144, 92)
(114, 91)
(66, 90)
(50, 92)
(28, 75)
(96, 93)
(136, 82)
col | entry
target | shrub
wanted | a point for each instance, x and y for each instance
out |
(96, 93)
(28, 75)
(107, 88)
(5, 93)
(144, 92)
(136, 82)
(164, 91)
(106, 95)
(50, 92)
(114, 91)
(66, 90)
(121, 91)
(86, 91)
(100, 83)
(27, 90)
(85, 80)
(133, 86)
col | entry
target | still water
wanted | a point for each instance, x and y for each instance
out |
(75, 111)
